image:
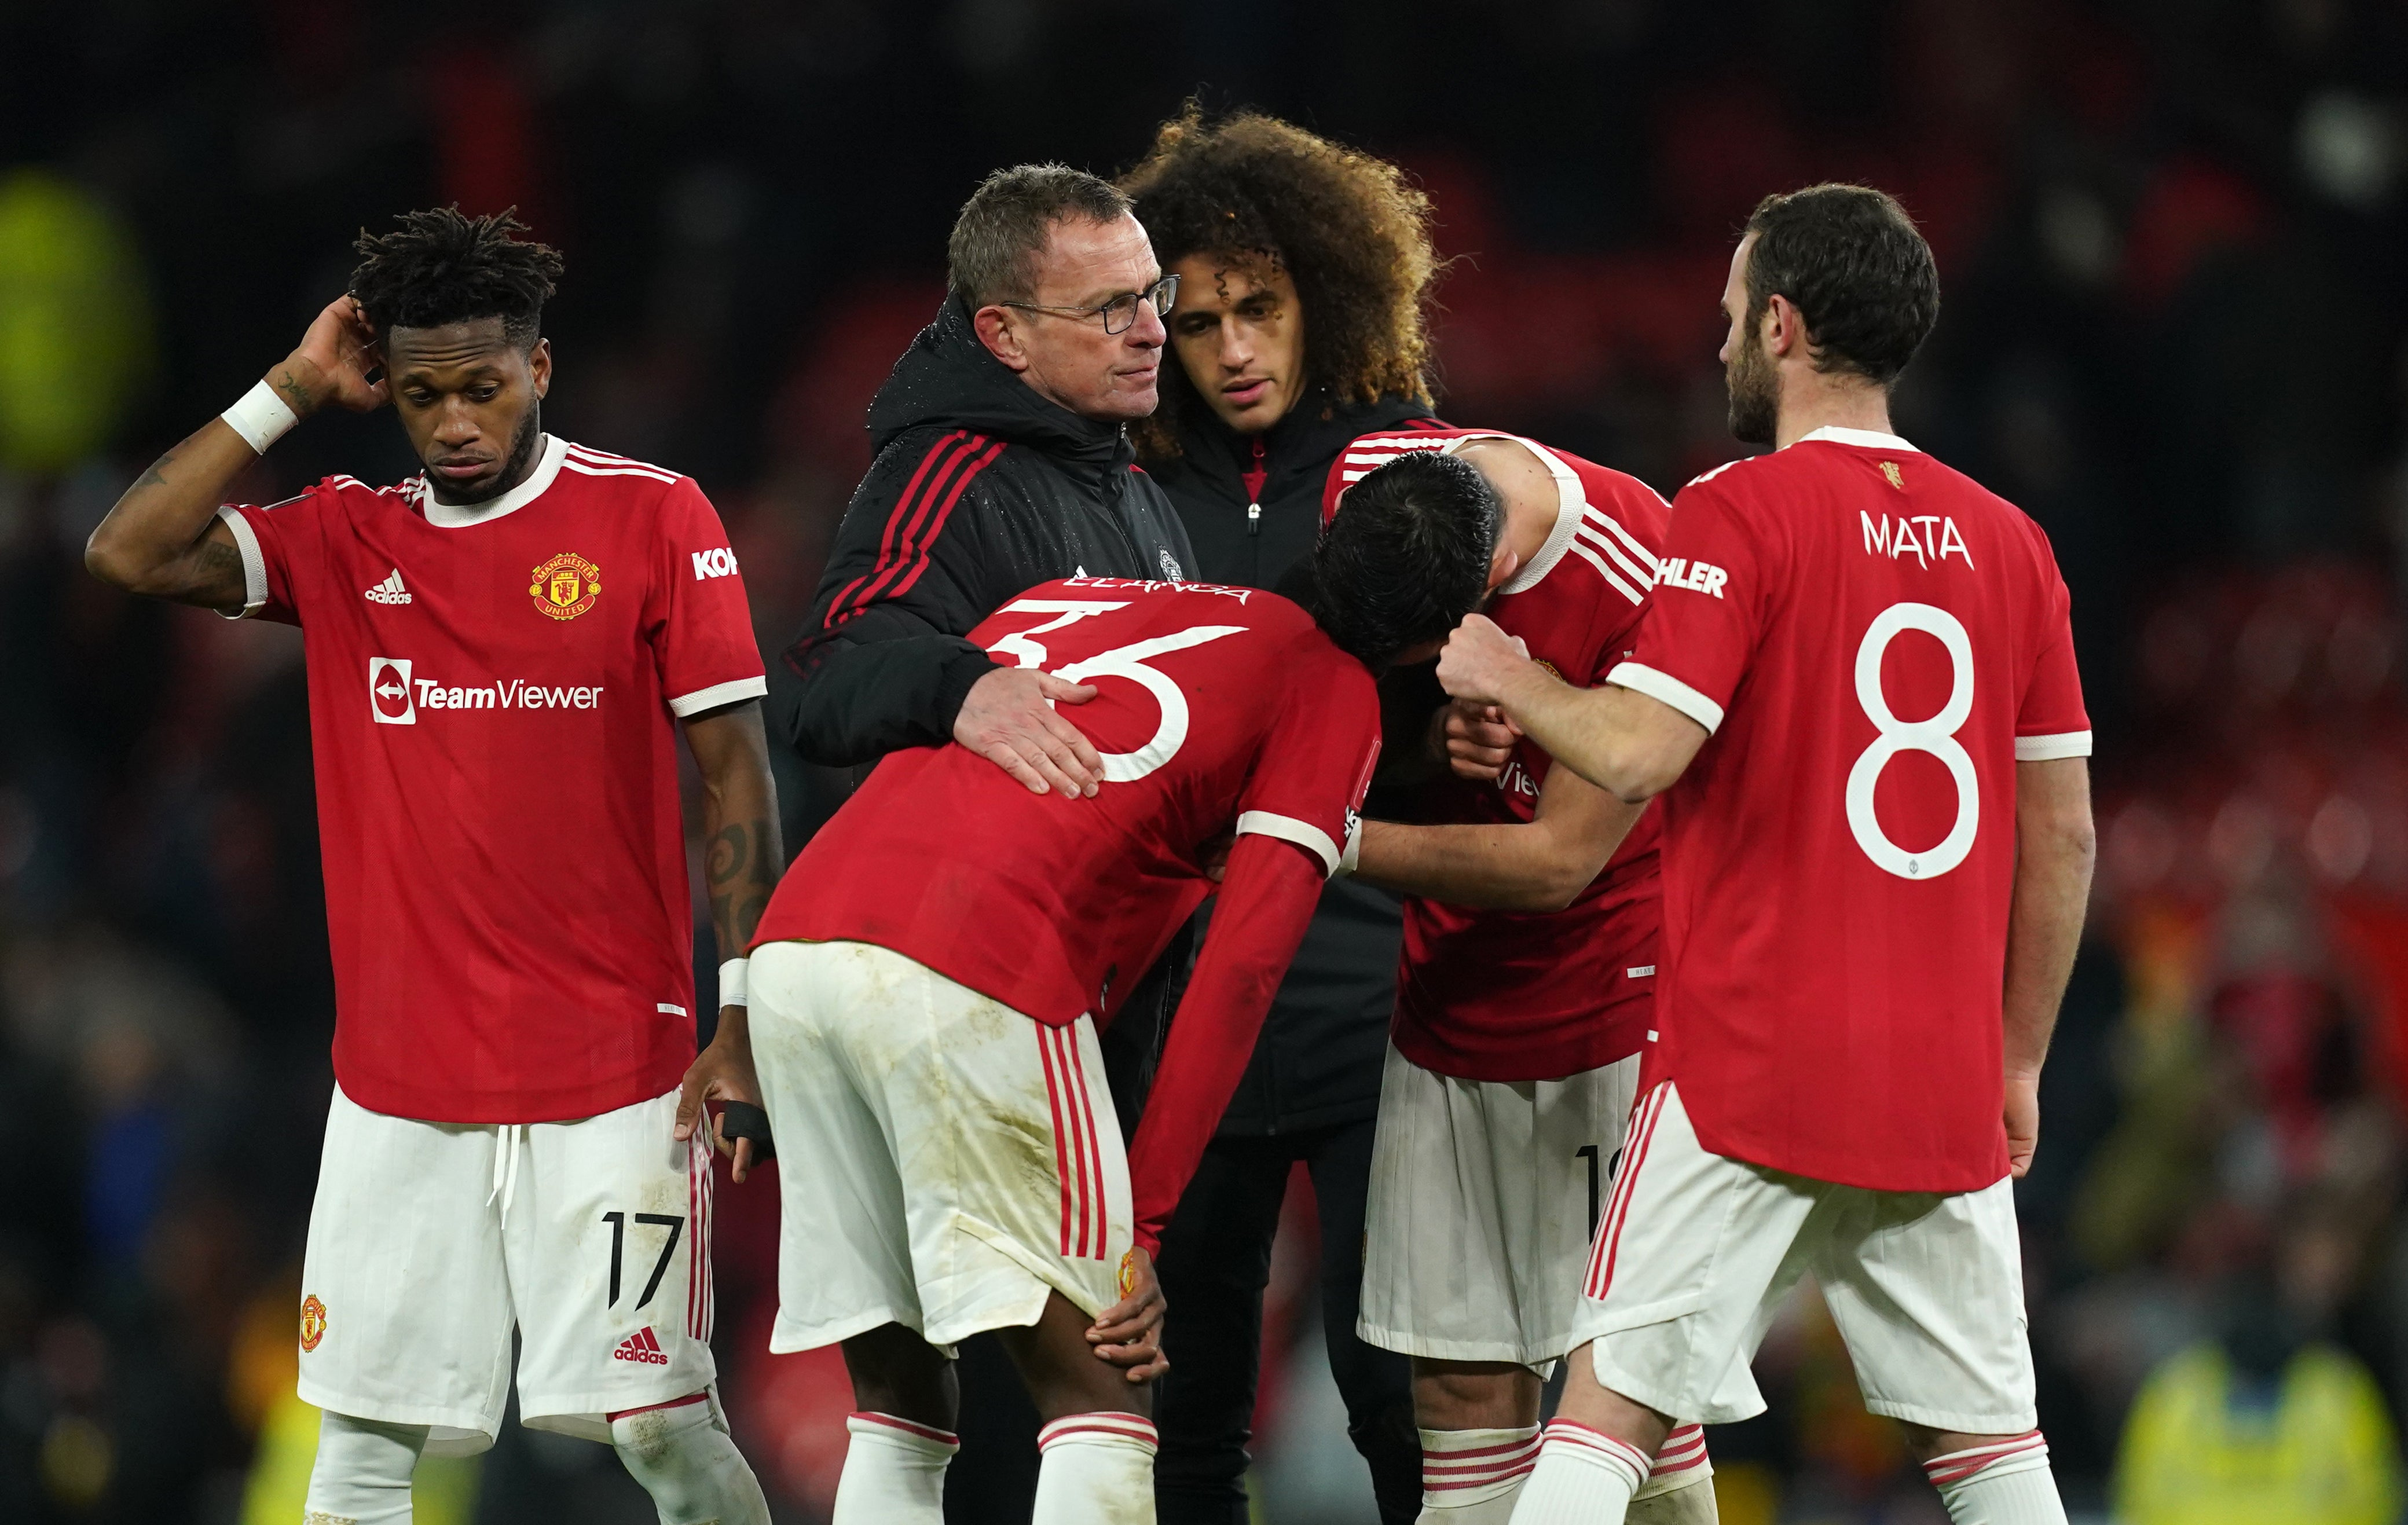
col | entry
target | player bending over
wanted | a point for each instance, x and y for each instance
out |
(1857, 693)
(1525, 992)
(930, 979)
(497, 650)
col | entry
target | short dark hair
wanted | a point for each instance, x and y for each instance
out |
(1002, 229)
(1850, 261)
(438, 266)
(1407, 556)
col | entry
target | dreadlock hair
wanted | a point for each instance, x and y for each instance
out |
(1407, 556)
(1349, 229)
(438, 266)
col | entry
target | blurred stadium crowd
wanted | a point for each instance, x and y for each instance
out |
(2171, 234)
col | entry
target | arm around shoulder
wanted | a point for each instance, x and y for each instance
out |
(884, 661)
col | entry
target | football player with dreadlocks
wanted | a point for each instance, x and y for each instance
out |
(516, 1136)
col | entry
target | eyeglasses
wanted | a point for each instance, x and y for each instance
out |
(1121, 311)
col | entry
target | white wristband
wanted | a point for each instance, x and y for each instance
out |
(731, 981)
(261, 417)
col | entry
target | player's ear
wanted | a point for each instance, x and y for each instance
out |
(1000, 334)
(1783, 328)
(1502, 566)
(539, 367)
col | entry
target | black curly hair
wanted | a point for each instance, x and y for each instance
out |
(440, 267)
(1352, 230)
(1407, 556)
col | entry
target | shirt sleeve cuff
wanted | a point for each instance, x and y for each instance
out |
(1667, 689)
(255, 564)
(717, 695)
(2050, 748)
(1304, 834)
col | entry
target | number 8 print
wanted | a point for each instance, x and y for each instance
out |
(1936, 736)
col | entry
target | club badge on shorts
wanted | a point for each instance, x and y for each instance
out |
(313, 1321)
(565, 586)
(1128, 1272)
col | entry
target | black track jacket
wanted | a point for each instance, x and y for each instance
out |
(981, 489)
(1319, 1058)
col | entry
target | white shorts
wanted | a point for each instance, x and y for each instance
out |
(1697, 1252)
(428, 1241)
(947, 1163)
(1483, 1194)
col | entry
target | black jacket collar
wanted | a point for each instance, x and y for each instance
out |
(1307, 439)
(948, 378)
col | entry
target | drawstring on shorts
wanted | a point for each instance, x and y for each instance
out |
(506, 1165)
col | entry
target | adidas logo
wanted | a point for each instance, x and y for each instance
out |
(640, 1346)
(390, 591)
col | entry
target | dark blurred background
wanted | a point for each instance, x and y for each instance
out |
(2171, 234)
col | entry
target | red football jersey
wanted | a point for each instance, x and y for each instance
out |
(1874, 641)
(491, 694)
(1214, 705)
(1215, 708)
(1499, 994)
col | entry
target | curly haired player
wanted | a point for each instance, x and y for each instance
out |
(509, 1142)
(1297, 326)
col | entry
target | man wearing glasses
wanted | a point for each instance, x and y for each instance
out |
(1002, 463)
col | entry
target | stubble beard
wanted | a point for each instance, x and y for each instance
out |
(513, 471)
(1754, 393)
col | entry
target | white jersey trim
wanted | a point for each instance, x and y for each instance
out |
(601, 463)
(1263, 823)
(1365, 456)
(717, 695)
(255, 564)
(1570, 503)
(1663, 687)
(1869, 438)
(468, 515)
(2050, 748)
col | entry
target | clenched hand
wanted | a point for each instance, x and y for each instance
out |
(1475, 741)
(1481, 661)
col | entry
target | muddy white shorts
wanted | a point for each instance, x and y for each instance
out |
(1697, 1252)
(946, 1162)
(1483, 1193)
(429, 1241)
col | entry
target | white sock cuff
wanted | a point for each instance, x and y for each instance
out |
(908, 1434)
(1104, 1428)
(1578, 1442)
(1471, 1466)
(2000, 1459)
(361, 1475)
(1681, 1463)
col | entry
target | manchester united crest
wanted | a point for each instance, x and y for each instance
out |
(1897, 478)
(313, 1321)
(1128, 1272)
(565, 586)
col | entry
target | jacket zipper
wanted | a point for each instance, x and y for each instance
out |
(1255, 475)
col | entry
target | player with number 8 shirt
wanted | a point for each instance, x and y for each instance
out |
(1856, 694)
